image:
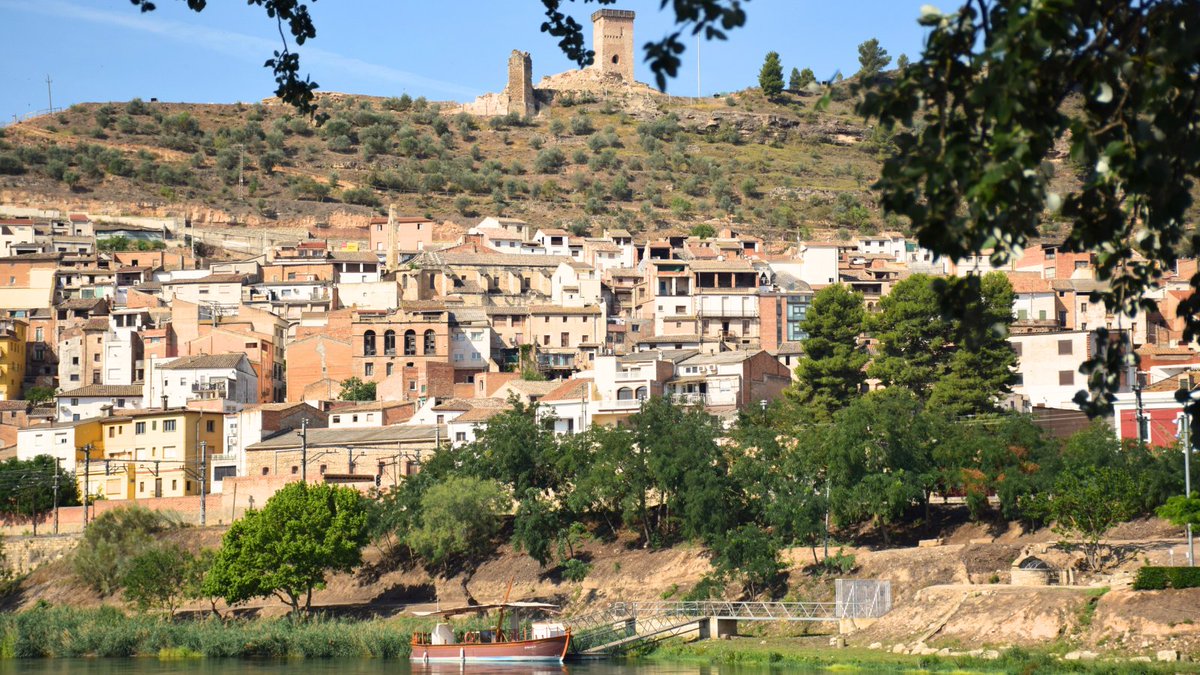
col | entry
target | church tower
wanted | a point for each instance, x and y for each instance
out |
(612, 40)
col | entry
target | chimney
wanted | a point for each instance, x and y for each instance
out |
(164, 401)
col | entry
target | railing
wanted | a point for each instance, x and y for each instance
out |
(622, 624)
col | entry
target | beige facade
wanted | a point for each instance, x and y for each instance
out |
(155, 453)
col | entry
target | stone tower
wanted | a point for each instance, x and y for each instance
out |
(612, 39)
(520, 84)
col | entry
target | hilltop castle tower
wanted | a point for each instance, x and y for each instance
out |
(612, 40)
(520, 84)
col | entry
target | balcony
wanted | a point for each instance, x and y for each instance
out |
(728, 312)
(224, 457)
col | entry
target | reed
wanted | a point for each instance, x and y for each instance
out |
(58, 632)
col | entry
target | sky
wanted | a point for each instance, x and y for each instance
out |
(446, 50)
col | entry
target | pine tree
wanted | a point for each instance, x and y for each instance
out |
(872, 58)
(807, 77)
(770, 78)
(831, 373)
(794, 80)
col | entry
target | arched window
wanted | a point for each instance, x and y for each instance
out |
(389, 343)
(642, 394)
(369, 343)
(410, 343)
(430, 342)
(624, 394)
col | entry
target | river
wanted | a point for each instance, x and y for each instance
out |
(152, 666)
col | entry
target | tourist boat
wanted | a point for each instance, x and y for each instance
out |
(545, 642)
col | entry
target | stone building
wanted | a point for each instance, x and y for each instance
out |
(612, 40)
(520, 84)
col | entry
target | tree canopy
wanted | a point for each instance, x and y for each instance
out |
(303, 532)
(1000, 89)
(770, 77)
(831, 374)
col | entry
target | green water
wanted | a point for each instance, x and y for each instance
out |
(150, 666)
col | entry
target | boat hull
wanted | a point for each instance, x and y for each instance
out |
(545, 650)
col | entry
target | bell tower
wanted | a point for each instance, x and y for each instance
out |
(612, 40)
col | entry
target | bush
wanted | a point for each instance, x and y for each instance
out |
(1158, 578)
(361, 196)
(11, 165)
(576, 570)
(549, 160)
(113, 539)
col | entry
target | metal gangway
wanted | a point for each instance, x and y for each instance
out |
(622, 625)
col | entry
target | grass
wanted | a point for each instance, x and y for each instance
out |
(813, 654)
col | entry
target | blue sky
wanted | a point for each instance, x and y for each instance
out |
(104, 50)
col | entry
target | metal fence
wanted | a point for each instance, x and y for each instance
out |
(862, 598)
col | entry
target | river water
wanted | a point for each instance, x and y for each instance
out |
(152, 666)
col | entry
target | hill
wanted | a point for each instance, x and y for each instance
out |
(777, 168)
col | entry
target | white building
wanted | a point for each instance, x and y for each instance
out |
(553, 241)
(1048, 366)
(470, 339)
(819, 263)
(575, 284)
(59, 440)
(97, 400)
(225, 377)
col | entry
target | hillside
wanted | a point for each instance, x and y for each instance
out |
(775, 168)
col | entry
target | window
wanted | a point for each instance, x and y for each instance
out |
(546, 340)
(1064, 347)
(388, 369)
(1019, 379)
(369, 343)
(74, 401)
(142, 486)
(410, 343)
(430, 346)
(354, 418)
(1066, 378)
(266, 470)
(295, 469)
(460, 437)
(110, 432)
(168, 425)
(174, 484)
(139, 428)
(1083, 308)
(210, 426)
(368, 369)
(564, 340)
(38, 335)
(389, 342)
(337, 419)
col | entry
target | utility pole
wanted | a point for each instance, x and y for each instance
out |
(304, 450)
(1186, 423)
(203, 483)
(87, 479)
(49, 94)
(241, 163)
(56, 474)
(1141, 412)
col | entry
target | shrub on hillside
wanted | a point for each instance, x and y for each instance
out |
(113, 540)
(1158, 578)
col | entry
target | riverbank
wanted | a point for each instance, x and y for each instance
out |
(815, 652)
(65, 632)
